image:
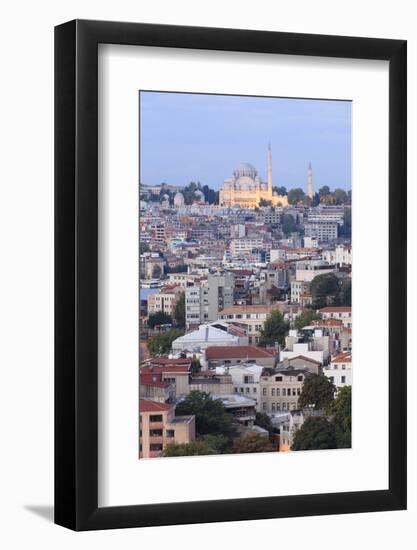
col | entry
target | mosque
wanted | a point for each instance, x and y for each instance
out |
(245, 188)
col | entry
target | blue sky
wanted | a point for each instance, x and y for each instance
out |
(198, 137)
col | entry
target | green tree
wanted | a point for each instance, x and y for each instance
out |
(159, 318)
(143, 247)
(263, 421)
(162, 343)
(344, 297)
(318, 392)
(156, 271)
(340, 411)
(296, 195)
(220, 443)
(315, 433)
(189, 449)
(211, 416)
(316, 200)
(345, 230)
(305, 318)
(195, 365)
(282, 191)
(340, 196)
(274, 330)
(252, 443)
(324, 289)
(179, 310)
(288, 224)
(325, 190)
(264, 202)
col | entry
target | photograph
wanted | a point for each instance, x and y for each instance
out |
(245, 267)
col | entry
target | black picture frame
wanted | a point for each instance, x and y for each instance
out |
(76, 272)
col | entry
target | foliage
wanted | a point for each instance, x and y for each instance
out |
(296, 195)
(156, 271)
(220, 443)
(288, 224)
(210, 415)
(346, 229)
(210, 196)
(305, 318)
(179, 310)
(325, 190)
(263, 421)
(315, 433)
(340, 411)
(340, 196)
(264, 202)
(195, 365)
(179, 268)
(316, 200)
(193, 448)
(318, 392)
(324, 289)
(344, 296)
(280, 190)
(143, 247)
(162, 343)
(159, 318)
(252, 443)
(274, 330)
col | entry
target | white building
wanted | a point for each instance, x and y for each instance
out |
(302, 349)
(246, 380)
(245, 245)
(340, 255)
(340, 370)
(306, 270)
(204, 337)
(324, 231)
(341, 313)
(204, 301)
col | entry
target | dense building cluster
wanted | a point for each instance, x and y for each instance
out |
(247, 305)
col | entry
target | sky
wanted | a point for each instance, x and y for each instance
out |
(202, 137)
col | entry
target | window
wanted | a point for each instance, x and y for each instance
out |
(284, 406)
(247, 390)
(155, 418)
(294, 392)
(264, 406)
(300, 378)
(263, 391)
(155, 447)
(343, 367)
(284, 392)
(273, 392)
(278, 378)
(236, 390)
(241, 390)
(170, 433)
(253, 390)
(343, 379)
(155, 433)
(331, 378)
(273, 407)
(298, 391)
(278, 406)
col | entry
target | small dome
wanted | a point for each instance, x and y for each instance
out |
(199, 195)
(245, 169)
(179, 199)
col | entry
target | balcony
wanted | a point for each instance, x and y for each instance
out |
(155, 439)
(156, 425)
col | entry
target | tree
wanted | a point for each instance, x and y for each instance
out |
(324, 289)
(264, 202)
(143, 247)
(340, 411)
(156, 271)
(252, 443)
(263, 421)
(318, 392)
(220, 443)
(316, 200)
(316, 433)
(189, 449)
(274, 330)
(211, 416)
(296, 195)
(305, 318)
(345, 230)
(325, 190)
(288, 224)
(179, 310)
(161, 343)
(340, 196)
(344, 297)
(280, 190)
(195, 365)
(159, 318)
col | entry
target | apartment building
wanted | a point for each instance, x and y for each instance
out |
(280, 389)
(158, 427)
(323, 230)
(164, 300)
(203, 301)
(341, 313)
(340, 370)
(252, 317)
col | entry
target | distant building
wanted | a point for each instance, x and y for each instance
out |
(342, 313)
(236, 355)
(203, 301)
(340, 370)
(164, 300)
(253, 317)
(246, 190)
(280, 389)
(323, 231)
(158, 427)
(205, 336)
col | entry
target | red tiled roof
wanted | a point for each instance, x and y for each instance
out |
(166, 361)
(345, 357)
(336, 309)
(239, 352)
(146, 405)
(168, 369)
(153, 380)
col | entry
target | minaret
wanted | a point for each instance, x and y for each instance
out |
(309, 181)
(269, 171)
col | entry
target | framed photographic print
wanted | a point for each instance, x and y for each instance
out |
(230, 275)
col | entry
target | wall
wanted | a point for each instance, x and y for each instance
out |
(27, 270)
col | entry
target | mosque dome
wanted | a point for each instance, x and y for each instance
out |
(179, 199)
(165, 198)
(244, 169)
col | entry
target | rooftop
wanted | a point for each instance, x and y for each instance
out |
(345, 357)
(237, 352)
(336, 309)
(146, 405)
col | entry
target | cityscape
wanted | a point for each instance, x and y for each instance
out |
(245, 327)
